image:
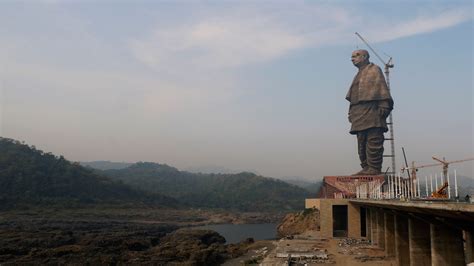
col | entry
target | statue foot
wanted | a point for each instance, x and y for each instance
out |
(373, 171)
(368, 171)
(362, 172)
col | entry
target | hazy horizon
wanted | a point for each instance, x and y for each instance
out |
(251, 86)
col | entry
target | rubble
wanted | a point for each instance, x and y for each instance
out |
(320, 254)
(305, 257)
(345, 242)
(351, 246)
(365, 258)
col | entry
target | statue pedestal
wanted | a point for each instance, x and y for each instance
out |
(349, 186)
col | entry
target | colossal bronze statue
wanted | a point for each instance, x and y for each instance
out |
(370, 105)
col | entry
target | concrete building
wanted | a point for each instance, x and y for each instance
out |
(415, 233)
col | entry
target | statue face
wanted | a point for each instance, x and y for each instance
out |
(359, 57)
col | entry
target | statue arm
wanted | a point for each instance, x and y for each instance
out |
(384, 108)
(384, 104)
(349, 115)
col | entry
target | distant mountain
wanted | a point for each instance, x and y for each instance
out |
(31, 176)
(310, 186)
(106, 165)
(209, 169)
(242, 191)
(465, 186)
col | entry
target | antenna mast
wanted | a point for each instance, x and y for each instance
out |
(387, 65)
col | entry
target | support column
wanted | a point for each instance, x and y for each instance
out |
(380, 229)
(469, 236)
(447, 247)
(389, 235)
(402, 250)
(373, 226)
(368, 224)
(419, 241)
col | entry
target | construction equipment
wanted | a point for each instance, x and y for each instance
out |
(441, 192)
(446, 164)
(413, 169)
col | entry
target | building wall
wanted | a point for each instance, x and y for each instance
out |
(312, 203)
(325, 213)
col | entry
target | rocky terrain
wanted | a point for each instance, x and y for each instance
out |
(298, 223)
(115, 236)
(47, 241)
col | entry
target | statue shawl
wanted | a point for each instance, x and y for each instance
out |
(372, 86)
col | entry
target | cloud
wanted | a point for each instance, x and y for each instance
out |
(216, 43)
(265, 35)
(421, 24)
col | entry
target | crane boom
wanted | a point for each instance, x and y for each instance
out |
(457, 161)
(420, 166)
(371, 49)
(436, 164)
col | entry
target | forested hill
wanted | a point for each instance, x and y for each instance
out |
(105, 165)
(243, 191)
(31, 176)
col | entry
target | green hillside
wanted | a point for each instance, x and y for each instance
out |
(28, 175)
(310, 186)
(243, 191)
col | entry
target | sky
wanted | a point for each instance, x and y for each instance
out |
(239, 85)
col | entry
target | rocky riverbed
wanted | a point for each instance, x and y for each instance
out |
(117, 236)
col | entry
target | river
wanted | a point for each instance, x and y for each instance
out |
(234, 233)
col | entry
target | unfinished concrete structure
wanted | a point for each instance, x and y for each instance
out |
(415, 233)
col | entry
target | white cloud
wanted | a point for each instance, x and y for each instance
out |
(216, 43)
(229, 41)
(421, 24)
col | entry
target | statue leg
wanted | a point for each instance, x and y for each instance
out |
(362, 148)
(375, 149)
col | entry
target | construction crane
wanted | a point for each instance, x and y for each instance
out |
(441, 192)
(446, 164)
(413, 169)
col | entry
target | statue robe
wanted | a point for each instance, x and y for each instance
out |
(367, 95)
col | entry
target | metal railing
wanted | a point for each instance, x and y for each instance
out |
(430, 187)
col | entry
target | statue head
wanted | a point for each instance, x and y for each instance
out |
(360, 58)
